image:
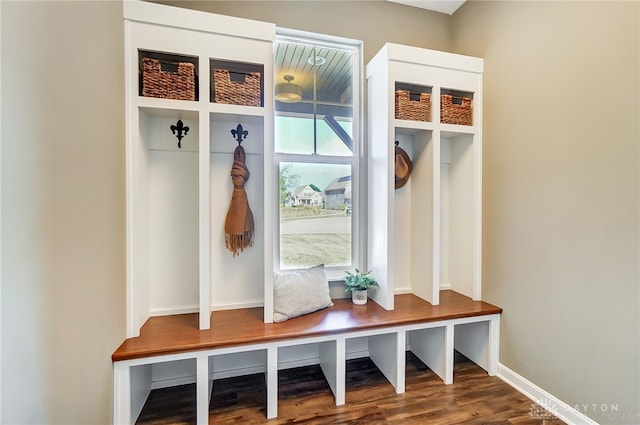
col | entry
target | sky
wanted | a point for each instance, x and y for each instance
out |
(295, 136)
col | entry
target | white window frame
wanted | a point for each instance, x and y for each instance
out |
(357, 178)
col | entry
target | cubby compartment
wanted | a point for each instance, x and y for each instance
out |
(456, 107)
(168, 76)
(386, 351)
(164, 188)
(236, 281)
(329, 355)
(236, 83)
(247, 372)
(414, 217)
(474, 340)
(412, 102)
(433, 347)
(459, 223)
(158, 384)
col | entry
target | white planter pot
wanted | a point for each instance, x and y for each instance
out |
(359, 297)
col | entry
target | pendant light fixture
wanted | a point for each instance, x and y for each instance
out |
(288, 92)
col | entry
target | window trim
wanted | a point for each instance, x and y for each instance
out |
(358, 176)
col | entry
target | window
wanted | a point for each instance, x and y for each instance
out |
(317, 142)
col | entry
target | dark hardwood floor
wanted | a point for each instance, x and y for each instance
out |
(305, 397)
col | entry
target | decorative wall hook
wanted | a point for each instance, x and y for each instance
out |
(239, 133)
(178, 130)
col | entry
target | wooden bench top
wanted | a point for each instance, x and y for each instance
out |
(179, 333)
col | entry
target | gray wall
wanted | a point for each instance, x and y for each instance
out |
(561, 193)
(376, 22)
(63, 262)
(561, 197)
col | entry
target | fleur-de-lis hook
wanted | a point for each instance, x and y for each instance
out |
(178, 130)
(239, 133)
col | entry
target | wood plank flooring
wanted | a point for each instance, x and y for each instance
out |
(304, 397)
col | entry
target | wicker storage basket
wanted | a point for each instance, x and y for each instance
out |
(455, 109)
(168, 80)
(415, 110)
(244, 92)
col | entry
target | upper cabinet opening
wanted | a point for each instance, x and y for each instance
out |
(167, 75)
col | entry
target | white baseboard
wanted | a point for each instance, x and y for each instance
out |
(557, 407)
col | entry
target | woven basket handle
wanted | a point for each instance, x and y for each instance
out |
(168, 67)
(238, 77)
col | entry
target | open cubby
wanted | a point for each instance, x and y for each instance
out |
(244, 86)
(165, 182)
(168, 63)
(413, 102)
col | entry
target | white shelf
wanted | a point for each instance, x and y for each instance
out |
(231, 113)
(167, 107)
(451, 130)
(411, 127)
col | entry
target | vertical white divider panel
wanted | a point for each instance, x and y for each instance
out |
(449, 347)
(122, 394)
(494, 345)
(388, 353)
(332, 362)
(425, 218)
(429, 345)
(202, 388)
(131, 113)
(204, 207)
(477, 200)
(380, 176)
(272, 381)
(401, 363)
(270, 189)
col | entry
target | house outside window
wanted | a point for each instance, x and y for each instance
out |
(317, 150)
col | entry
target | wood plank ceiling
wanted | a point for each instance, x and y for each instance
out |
(333, 73)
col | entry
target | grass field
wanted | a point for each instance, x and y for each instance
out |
(308, 250)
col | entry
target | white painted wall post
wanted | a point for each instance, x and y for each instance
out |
(121, 394)
(202, 389)
(494, 345)
(449, 347)
(272, 382)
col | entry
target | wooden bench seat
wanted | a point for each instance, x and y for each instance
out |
(430, 332)
(179, 333)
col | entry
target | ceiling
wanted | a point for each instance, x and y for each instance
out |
(442, 6)
(332, 78)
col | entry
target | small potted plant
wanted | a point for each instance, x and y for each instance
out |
(358, 283)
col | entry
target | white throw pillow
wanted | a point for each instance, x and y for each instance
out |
(300, 292)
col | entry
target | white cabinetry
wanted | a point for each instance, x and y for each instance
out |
(426, 235)
(177, 198)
